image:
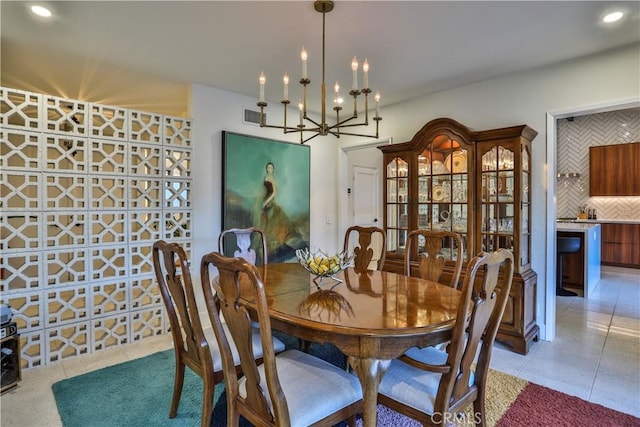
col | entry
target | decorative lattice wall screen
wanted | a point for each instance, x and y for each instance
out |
(85, 190)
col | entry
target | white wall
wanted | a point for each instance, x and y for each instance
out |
(519, 98)
(213, 111)
(525, 98)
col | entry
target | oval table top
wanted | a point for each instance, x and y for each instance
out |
(373, 303)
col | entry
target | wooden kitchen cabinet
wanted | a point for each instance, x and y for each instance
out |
(621, 244)
(477, 184)
(614, 170)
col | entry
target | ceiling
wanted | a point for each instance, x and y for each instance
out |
(414, 48)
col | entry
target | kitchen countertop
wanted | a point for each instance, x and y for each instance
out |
(602, 221)
(576, 226)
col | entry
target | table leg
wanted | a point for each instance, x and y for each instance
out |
(370, 372)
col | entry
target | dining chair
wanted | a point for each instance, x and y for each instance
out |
(194, 346)
(434, 249)
(434, 386)
(242, 246)
(292, 388)
(369, 244)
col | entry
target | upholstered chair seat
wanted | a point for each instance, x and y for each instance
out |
(305, 379)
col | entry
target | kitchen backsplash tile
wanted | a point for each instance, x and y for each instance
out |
(575, 135)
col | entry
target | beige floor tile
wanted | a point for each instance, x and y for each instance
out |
(629, 310)
(611, 389)
(626, 323)
(91, 362)
(147, 346)
(31, 403)
(595, 356)
(505, 360)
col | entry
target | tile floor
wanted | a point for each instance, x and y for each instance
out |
(595, 356)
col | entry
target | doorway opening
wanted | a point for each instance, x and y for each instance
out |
(548, 333)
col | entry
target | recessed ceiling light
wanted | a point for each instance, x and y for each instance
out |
(612, 17)
(41, 11)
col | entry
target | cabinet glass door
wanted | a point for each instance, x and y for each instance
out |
(497, 199)
(443, 187)
(397, 204)
(525, 208)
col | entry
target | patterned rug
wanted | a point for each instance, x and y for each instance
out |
(138, 393)
(514, 402)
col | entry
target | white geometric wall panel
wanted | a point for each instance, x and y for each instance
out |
(147, 323)
(24, 269)
(32, 349)
(65, 191)
(85, 191)
(177, 193)
(110, 331)
(140, 256)
(177, 132)
(65, 229)
(108, 192)
(20, 231)
(67, 341)
(66, 267)
(20, 109)
(145, 160)
(145, 127)
(65, 116)
(20, 191)
(19, 150)
(65, 154)
(575, 136)
(145, 193)
(144, 293)
(108, 157)
(28, 310)
(108, 122)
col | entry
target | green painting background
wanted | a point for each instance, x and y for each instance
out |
(244, 168)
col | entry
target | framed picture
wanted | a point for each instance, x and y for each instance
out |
(266, 184)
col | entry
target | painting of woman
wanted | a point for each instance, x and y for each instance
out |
(266, 185)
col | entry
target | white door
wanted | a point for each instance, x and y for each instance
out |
(365, 196)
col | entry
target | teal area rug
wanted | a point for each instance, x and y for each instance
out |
(138, 393)
(134, 393)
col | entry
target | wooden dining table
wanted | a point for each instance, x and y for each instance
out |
(372, 317)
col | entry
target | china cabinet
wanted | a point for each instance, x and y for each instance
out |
(477, 184)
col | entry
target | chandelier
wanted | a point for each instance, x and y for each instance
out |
(322, 128)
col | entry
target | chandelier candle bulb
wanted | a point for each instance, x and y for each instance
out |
(301, 108)
(262, 81)
(365, 74)
(285, 79)
(336, 100)
(354, 68)
(303, 56)
(377, 98)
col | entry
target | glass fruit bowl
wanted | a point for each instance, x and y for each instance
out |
(322, 265)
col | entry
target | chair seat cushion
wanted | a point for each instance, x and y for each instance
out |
(278, 346)
(412, 386)
(313, 387)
